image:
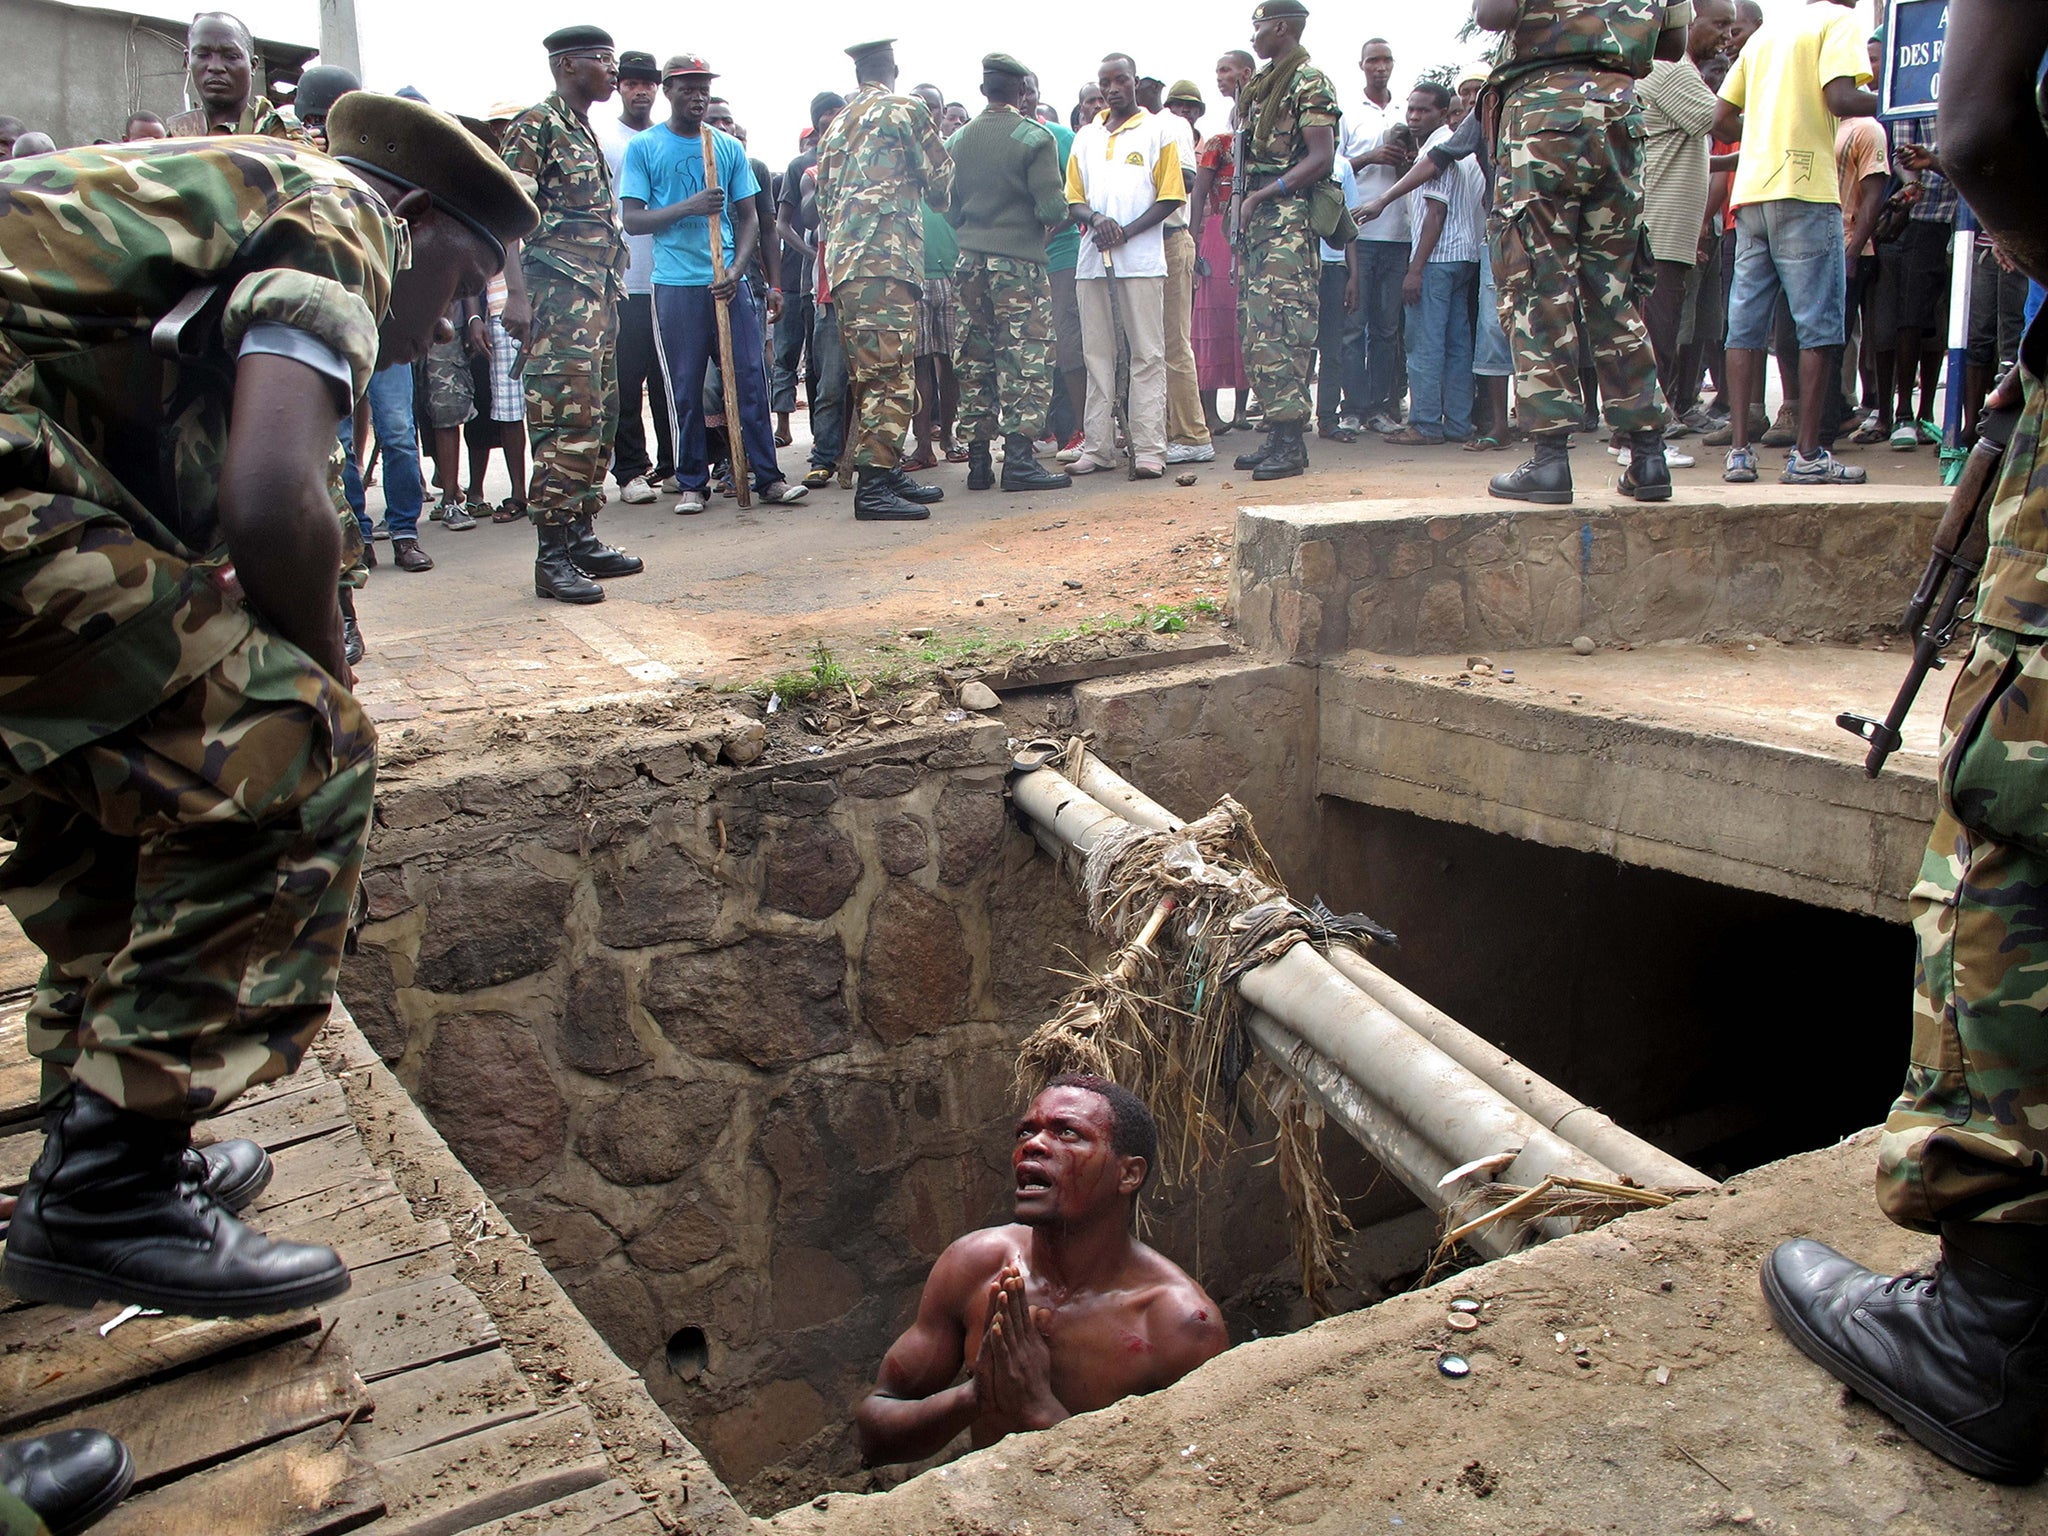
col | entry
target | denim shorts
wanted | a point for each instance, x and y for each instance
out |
(1794, 247)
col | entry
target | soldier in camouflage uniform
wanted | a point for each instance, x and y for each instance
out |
(1008, 191)
(185, 777)
(1288, 114)
(881, 159)
(564, 307)
(220, 57)
(1958, 1354)
(1566, 230)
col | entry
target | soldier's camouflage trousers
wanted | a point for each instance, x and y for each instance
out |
(1968, 1137)
(188, 879)
(1565, 231)
(878, 324)
(571, 377)
(1005, 345)
(1278, 305)
(17, 1519)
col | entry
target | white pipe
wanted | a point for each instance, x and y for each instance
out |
(1393, 1145)
(1549, 1105)
(1583, 1126)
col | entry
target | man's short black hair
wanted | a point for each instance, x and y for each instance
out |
(1436, 91)
(1128, 62)
(1133, 1131)
(229, 19)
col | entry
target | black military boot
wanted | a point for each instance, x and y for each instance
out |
(1547, 478)
(1252, 458)
(981, 469)
(913, 490)
(1288, 456)
(232, 1172)
(70, 1478)
(110, 1213)
(1958, 1354)
(1023, 472)
(555, 574)
(1648, 477)
(875, 499)
(352, 646)
(593, 557)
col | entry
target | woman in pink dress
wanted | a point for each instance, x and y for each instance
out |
(1219, 355)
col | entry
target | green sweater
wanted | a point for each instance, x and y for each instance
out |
(1006, 185)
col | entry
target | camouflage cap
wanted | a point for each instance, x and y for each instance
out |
(1271, 10)
(1188, 91)
(420, 148)
(636, 64)
(1002, 64)
(575, 40)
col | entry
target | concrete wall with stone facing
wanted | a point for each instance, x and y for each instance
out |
(734, 1050)
(1416, 578)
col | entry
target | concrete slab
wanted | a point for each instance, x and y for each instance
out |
(1720, 762)
(1417, 576)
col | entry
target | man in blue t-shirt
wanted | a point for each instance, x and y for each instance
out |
(663, 192)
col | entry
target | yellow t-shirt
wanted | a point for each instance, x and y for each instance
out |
(1788, 133)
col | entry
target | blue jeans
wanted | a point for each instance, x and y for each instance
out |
(1491, 356)
(1440, 350)
(828, 405)
(1340, 350)
(686, 328)
(1384, 262)
(399, 436)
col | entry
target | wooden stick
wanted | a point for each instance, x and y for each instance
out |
(735, 437)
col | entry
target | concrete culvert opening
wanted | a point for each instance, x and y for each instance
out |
(735, 1046)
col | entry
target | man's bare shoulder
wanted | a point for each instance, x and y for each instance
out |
(1184, 1324)
(975, 1258)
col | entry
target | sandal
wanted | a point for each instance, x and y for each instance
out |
(510, 511)
(1485, 443)
(922, 459)
(817, 479)
(956, 453)
(1337, 434)
(1408, 437)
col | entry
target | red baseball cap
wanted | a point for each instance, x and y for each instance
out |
(687, 64)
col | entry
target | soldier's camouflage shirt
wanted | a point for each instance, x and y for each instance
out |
(259, 119)
(98, 428)
(879, 163)
(1617, 36)
(1308, 101)
(579, 235)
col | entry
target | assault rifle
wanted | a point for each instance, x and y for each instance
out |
(1946, 587)
(1240, 155)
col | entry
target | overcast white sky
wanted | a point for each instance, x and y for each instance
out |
(776, 56)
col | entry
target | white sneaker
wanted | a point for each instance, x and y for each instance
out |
(691, 504)
(1678, 459)
(1190, 453)
(637, 492)
(1349, 424)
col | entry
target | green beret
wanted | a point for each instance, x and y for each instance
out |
(637, 65)
(575, 40)
(1002, 64)
(1268, 10)
(860, 51)
(418, 147)
(1186, 90)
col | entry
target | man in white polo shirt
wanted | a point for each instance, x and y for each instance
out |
(1123, 179)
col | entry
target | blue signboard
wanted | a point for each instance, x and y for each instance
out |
(1916, 36)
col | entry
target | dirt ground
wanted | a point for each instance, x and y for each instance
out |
(1625, 1380)
(734, 597)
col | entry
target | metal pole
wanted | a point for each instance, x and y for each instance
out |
(339, 44)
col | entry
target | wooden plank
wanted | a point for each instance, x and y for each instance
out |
(309, 1485)
(1026, 676)
(325, 1207)
(312, 1167)
(53, 1360)
(410, 1326)
(368, 1233)
(226, 1410)
(610, 1509)
(311, 1108)
(21, 1076)
(443, 1402)
(457, 1486)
